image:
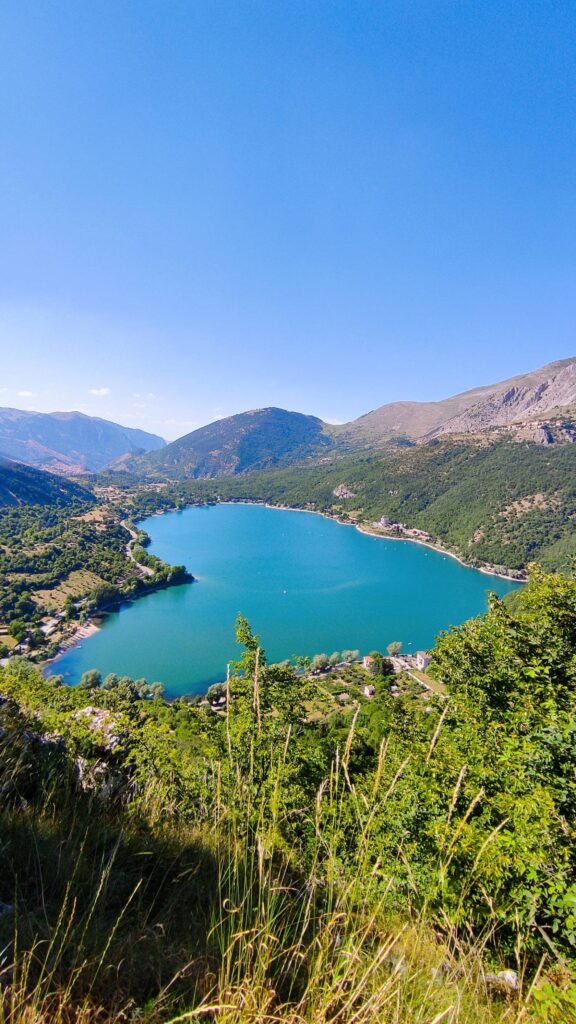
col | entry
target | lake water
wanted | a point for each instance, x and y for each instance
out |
(306, 584)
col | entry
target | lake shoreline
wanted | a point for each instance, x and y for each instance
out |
(89, 627)
(83, 632)
(372, 531)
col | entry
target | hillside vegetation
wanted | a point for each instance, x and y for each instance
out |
(23, 485)
(61, 564)
(251, 440)
(163, 862)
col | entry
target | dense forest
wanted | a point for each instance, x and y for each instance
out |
(393, 860)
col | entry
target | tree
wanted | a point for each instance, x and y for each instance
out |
(375, 666)
(18, 630)
(142, 687)
(334, 659)
(266, 707)
(90, 680)
(350, 656)
(320, 662)
(302, 662)
(394, 648)
(214, 692)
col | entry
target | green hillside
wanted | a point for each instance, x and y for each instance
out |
(251, 440)
(23, 485)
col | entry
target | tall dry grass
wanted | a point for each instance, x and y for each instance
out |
(139, 917)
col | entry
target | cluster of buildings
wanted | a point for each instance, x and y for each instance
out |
(384, 523)
(420, 660)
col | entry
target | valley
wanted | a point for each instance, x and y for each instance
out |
(498, 498)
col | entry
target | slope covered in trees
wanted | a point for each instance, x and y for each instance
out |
(67, 562)
(23, 485)
(251, 440)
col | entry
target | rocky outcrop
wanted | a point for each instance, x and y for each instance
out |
(343, 491)
(520, 403)
(103, 724)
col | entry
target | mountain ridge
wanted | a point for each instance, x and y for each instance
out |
(420, 419)
(537, 407)
(256, 439)
(68, 443)
(261, 439)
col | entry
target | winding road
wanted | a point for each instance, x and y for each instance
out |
(145, 570)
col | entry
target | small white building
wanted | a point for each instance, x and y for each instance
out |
(49, 625)
(423, 659)
(369, 690)
(367, 661)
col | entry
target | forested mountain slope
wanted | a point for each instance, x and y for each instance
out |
(251, 440)
(263, 438)
(24, 485)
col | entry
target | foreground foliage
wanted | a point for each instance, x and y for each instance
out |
(165, 862)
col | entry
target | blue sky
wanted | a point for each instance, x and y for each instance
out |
(210, 206)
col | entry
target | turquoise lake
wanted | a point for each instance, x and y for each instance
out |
(306, 584)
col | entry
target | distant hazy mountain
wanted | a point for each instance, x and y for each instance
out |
(68, 442)
(519, 398)
(24, 485)
(251, 440)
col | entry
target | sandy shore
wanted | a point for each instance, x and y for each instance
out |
(75, 638)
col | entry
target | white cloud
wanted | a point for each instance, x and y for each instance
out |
(25, 394)
(3, 391)
(100, 392)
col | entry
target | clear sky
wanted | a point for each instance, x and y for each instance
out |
(214, 205)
